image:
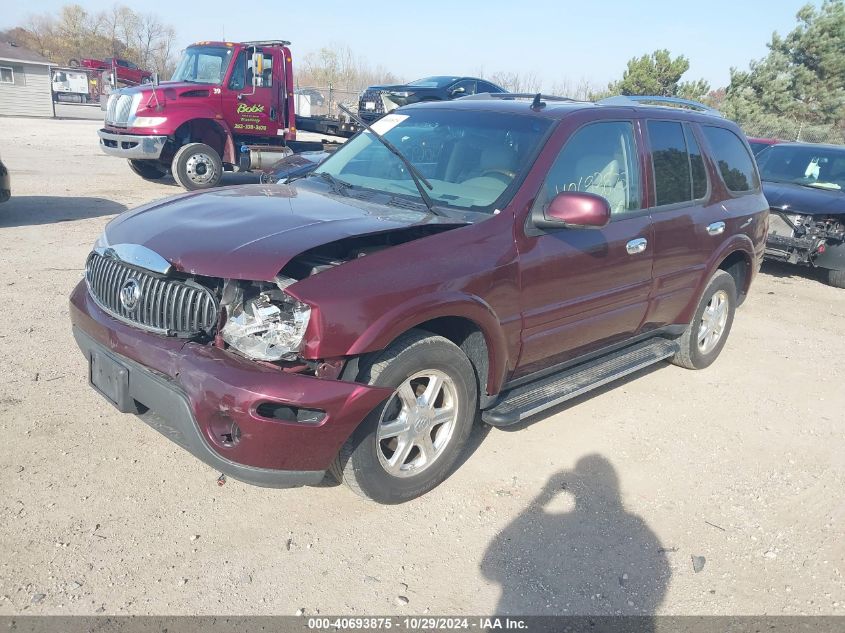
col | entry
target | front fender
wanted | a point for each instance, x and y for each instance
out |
(200, 116)
(403, 317)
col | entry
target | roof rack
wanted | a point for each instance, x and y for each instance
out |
(515, 95)
(632, 100)
(268, 43)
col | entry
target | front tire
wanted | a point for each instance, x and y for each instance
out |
(409, 445)
(704, 338)
(147, 169)
(836, 278)
(197, 166)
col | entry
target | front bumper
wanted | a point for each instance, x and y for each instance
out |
(191, 393)
(134, 146)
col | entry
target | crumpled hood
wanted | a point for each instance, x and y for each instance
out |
(252, 231)
(804, 200)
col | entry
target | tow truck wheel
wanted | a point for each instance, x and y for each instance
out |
(148, 169)
(197, 166)
(836, 278)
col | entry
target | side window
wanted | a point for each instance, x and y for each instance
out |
(600, 158)
(237, 78)
(483, 86)
(734, 161)
(266, 78)
(467, 84)
(672, 179)
(696, 164)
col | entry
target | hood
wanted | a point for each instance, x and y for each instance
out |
(252, 231)
(170, 91)
(805, 200)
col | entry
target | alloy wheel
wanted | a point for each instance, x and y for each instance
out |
(417, 423)
(713, 322)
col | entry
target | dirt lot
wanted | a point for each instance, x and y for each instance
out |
(596, 508)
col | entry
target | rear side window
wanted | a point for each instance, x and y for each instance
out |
(734, 161)
(672, 178)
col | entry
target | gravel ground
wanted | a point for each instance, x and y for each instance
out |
(599, 507)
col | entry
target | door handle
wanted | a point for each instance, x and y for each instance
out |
(636, 246)
(717, 228)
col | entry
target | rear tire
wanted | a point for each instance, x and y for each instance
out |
(704, 338)
(836, 278)
(197, 166)
(148, 169)
(409, 444)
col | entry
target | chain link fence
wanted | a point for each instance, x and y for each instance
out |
(323, 101)
(798, 132)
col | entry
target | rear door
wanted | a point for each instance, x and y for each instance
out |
(697, 203)
(583, 289)
(681, 209)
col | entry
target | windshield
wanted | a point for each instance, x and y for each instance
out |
(470, 158)
(433, 82)
(203, 65)
(804, 165)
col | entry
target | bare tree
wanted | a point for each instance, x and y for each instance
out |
(118, 32)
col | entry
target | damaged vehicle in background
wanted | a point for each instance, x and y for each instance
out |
(376, 101)
(805, 186)
(501, 255)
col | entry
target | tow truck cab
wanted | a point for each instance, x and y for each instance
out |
(228, 107)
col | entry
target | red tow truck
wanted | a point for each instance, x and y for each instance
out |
(228, 107)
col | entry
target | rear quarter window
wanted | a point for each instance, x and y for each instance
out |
(735, 163)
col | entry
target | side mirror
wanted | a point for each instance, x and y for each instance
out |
(574, 210)
(257, 68)
(459, 90)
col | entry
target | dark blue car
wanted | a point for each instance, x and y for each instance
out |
(376, 101)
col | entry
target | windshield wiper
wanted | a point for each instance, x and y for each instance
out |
(337, 182)
(419, 180)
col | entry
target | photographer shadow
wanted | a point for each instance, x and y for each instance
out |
(576, 551)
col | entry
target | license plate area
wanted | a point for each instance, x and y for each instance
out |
(111, 378)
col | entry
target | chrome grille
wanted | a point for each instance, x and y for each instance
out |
(119, 109)
(166, 306)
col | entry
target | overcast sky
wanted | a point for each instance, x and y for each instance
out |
(554, 39)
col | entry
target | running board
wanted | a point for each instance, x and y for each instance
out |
(526, 400)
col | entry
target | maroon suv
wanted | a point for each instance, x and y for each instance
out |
(492, 254)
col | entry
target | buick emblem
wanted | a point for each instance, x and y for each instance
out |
(130, 293)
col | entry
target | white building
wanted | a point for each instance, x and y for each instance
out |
(25, 88)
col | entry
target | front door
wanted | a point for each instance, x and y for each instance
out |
(583, 289)
(252, 109)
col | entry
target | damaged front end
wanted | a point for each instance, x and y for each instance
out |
(800, 239)
(262, 321)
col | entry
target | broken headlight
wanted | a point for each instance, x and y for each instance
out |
(263, 321)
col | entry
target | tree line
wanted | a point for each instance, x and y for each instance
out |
(797, 91)
(74, 33)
